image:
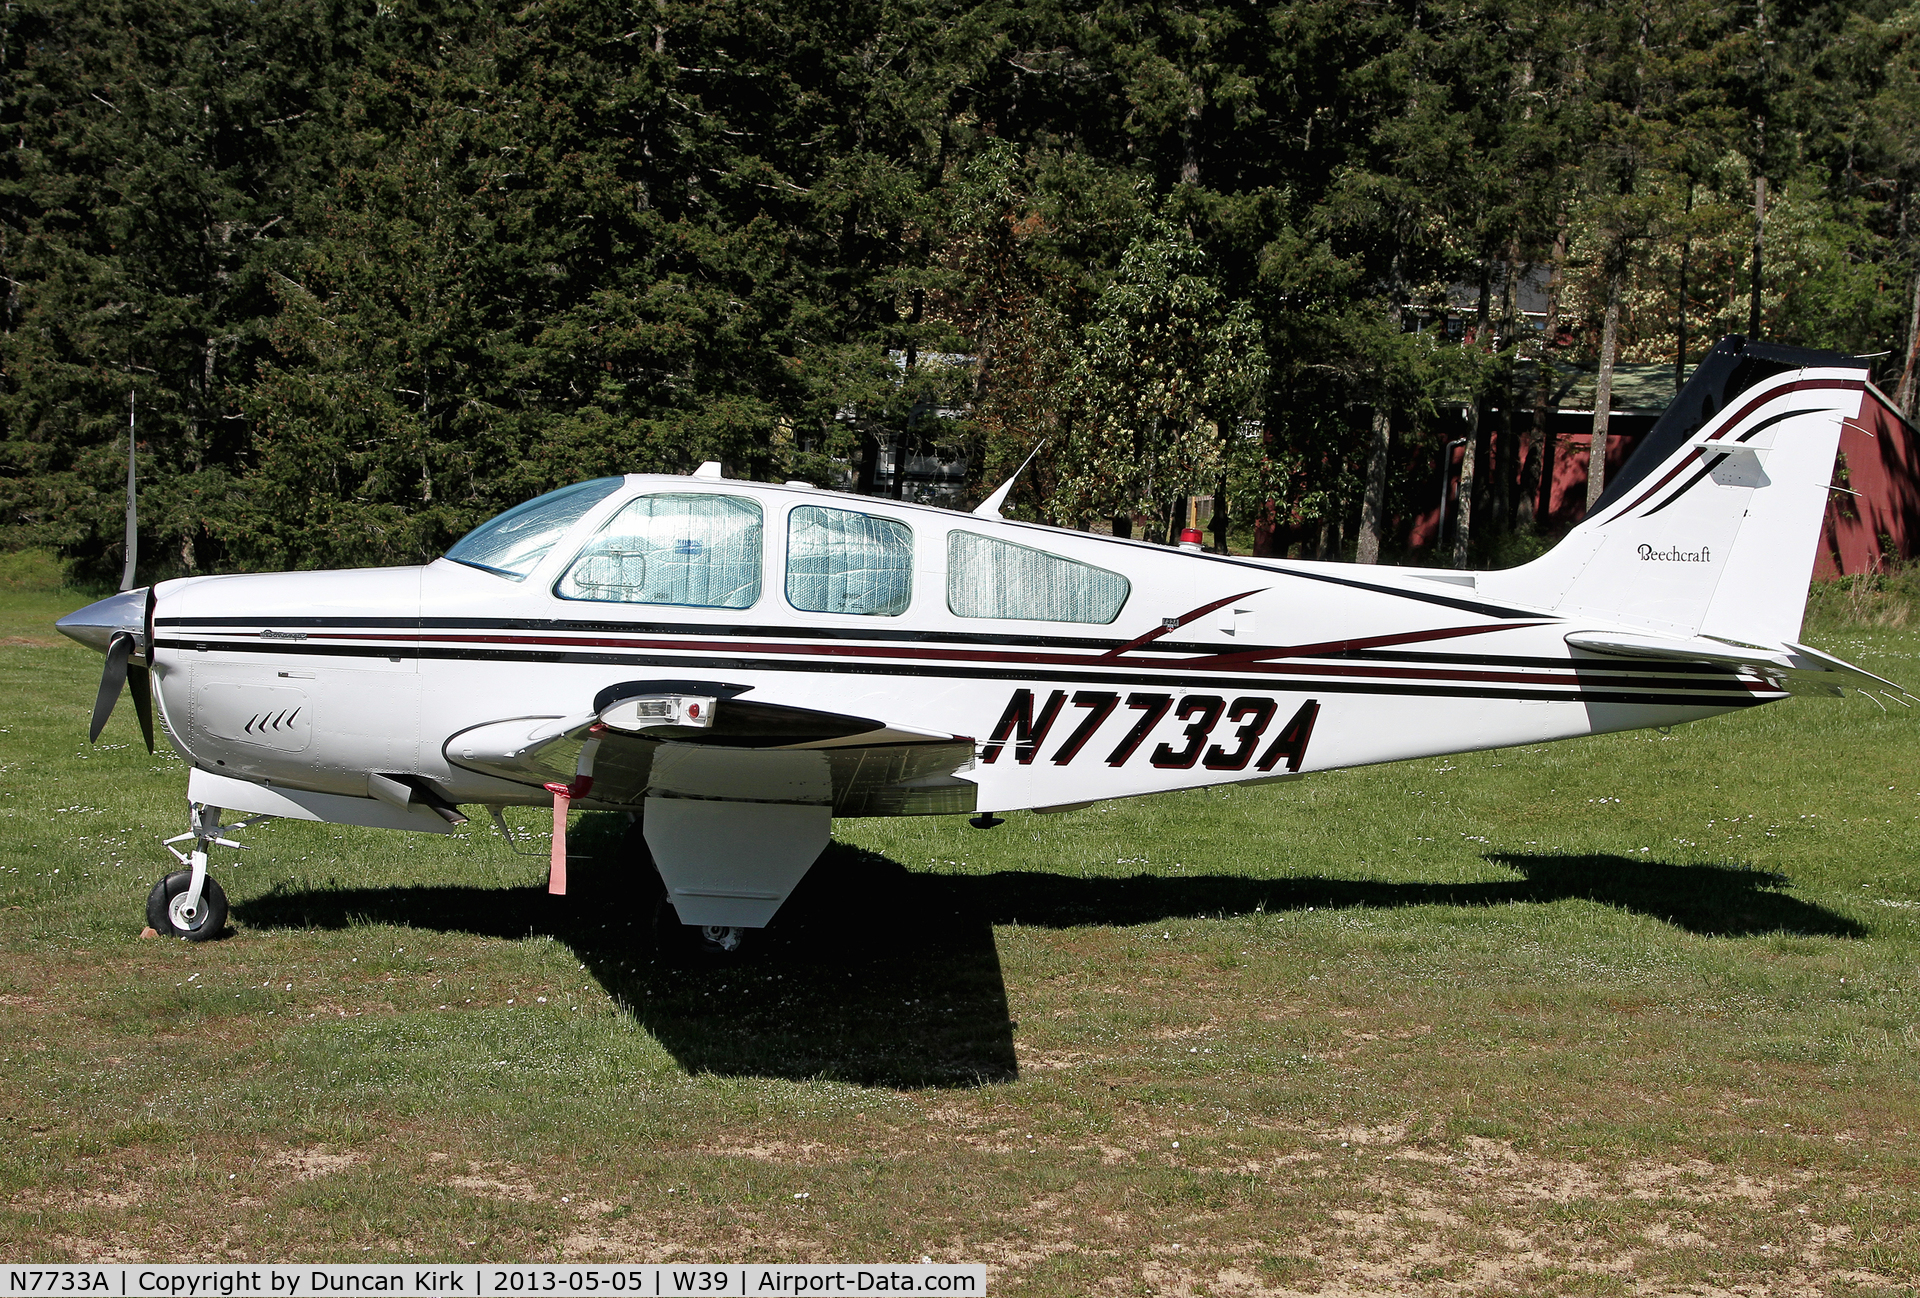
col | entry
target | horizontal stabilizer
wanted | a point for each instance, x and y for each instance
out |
(1829, 664)
(1792, 666)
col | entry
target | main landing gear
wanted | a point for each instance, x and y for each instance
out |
(699, 941)
(671, 938)
(187, 903)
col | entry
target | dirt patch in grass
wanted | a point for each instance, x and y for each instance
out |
(488, 1180)
(1019, 1253)
(786, 1153)
(79, 1201)
(306, 1164)
(83, 1248)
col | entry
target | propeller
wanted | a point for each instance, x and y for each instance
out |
(122, 671)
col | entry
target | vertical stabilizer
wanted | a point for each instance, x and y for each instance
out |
(1712, 527)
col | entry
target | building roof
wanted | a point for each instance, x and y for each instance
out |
(1638, 389)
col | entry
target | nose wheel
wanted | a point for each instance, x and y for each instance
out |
(173, 912)
(697, 941)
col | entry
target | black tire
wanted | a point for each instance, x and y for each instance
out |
(715, 943)
(677, 941)
(210, 923)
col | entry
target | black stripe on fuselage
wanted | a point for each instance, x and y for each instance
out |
(1424, 597)
(1725, 692)
(864, 635)
(1268, 652)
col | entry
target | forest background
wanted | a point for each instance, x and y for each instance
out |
(369, 271)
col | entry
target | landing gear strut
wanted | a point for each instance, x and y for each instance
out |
(187, 903)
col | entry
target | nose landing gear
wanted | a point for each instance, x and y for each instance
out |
(677, 941)
(187, 904)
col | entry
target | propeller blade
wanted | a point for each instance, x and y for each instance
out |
(140, 685)
(111, 679)
(141, 679)
(133, 509)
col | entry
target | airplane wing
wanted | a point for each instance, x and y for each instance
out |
(703, 739)
(1792, 666)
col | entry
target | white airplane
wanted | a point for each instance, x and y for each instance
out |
(736, 663)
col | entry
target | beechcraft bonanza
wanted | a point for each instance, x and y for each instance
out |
(736, 663)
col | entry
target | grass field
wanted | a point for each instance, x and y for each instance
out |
(1628, 1015)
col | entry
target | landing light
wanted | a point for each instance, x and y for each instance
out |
(645, 711)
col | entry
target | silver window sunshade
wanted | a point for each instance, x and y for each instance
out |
(990, 578)
(696, 550)
(839, 561)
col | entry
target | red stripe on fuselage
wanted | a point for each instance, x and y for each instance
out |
(1179, 622)
(1250, 662)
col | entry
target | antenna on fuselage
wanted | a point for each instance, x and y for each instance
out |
(990, 507)
(133, 513)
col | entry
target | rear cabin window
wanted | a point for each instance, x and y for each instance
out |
(698, 551)
(839, 561)
(993, 578)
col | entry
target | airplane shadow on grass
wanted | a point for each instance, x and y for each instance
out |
(877, 975)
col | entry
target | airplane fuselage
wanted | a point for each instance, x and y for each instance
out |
(1208, 670)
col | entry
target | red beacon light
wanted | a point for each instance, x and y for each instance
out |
(1190, 539)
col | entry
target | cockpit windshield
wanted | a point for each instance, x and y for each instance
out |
(512, 544)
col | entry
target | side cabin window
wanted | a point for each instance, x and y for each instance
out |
(839, 561)
(993, 578)
(695, 550)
